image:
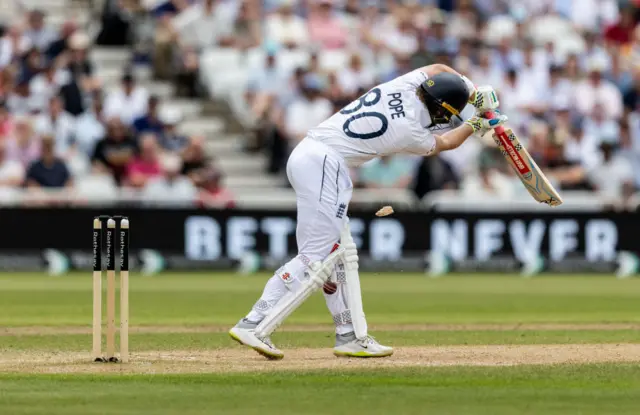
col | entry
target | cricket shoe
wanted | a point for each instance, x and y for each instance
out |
(244, 333)
(347, 345)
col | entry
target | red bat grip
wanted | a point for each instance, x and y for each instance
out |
(490, 115)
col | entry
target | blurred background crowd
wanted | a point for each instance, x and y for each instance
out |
(567, 73)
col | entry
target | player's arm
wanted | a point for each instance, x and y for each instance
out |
(476, 124)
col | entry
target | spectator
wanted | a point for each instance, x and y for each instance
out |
(32, 64)
(59, 124)
(45, 86)
(613, 179)
(19, 101)
(355, 77)
(170, 139)
(264, 85)
(61, 44)
(596, 90)
(12, 172)
(212, 193)
(24, 145)
(246, 29)
(194, 157)
(309, 110)
(206, 23)
(6, 120)
(489, 182)
(325, 28)
(437, 41)
(387, 172)
(80, 65)
(113, 153)
(127, 103)
(284, 28)
(150, 121)
(621, 32)
(49, 171)
(171, 187)
(90, 127)
(13, 44)
(39, 34)
(147, 164)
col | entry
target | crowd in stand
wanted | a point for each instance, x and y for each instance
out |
(577, 108)
(61, 128)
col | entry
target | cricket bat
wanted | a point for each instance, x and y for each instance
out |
(527, 170)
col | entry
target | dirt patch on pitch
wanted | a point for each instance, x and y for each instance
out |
(218, 328)
(238, 359)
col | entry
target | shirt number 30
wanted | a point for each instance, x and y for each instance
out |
(369, 99)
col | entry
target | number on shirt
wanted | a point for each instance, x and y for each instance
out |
(369, 99)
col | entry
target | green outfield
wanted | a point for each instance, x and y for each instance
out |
(470, 344)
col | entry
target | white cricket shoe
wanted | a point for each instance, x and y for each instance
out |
(348, 346)
(244, 333)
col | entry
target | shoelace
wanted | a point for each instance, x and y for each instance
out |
(368, 340)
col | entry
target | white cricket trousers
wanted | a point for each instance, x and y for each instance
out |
(320, 178)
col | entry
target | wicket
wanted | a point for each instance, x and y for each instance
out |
(117, 233)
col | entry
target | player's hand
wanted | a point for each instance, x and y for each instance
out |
(485, 99)
(481, 124)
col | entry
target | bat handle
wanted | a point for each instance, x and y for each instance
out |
(490, 115)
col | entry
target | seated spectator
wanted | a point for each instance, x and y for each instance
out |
(61, 44)
(59, 124)
(39, 34)
(19, 101)
(127, 103)
(387, 172)
(356, 76)
(6, 82)
(621, 32)
(46, 85)
(90, 127)
(187, 77)
(113, 153)
(13, 44)
(309, 110)
(597, 90)
(194, 157)
(264, 85)
(24, 144)
(11, 171)
(285, 28)
(147, 164)
(170, 139)
(491, 182)
(325, 28)
(246, 29)
(206, 23)
(613, 179)
(149, 122)
(437, 41)
(31, 64)
(212, 194)
(49, 170)
(171, 187)
(80, 65)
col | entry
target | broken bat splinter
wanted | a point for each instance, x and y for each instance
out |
(385, 211)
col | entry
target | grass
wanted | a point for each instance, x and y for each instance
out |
(51, 311)
(588, 389)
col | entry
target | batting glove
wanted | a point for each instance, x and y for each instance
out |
(485, 99)
(481, 125)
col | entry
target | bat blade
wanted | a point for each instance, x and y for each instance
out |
(526, 168)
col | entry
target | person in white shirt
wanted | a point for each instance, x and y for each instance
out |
(171, 188)
(11, 171)
(285, 28)
(355, 77)
(128, 103)
(597, 90)
(38, 33)
(59, 124)
(425, 112)
(309, 109)
(90, 127)
(45, 85)
(207, 23)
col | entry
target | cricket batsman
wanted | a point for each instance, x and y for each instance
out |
(424, 112)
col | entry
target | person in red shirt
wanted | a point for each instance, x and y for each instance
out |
(147, 164)
(212, 194)
(620, 33)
